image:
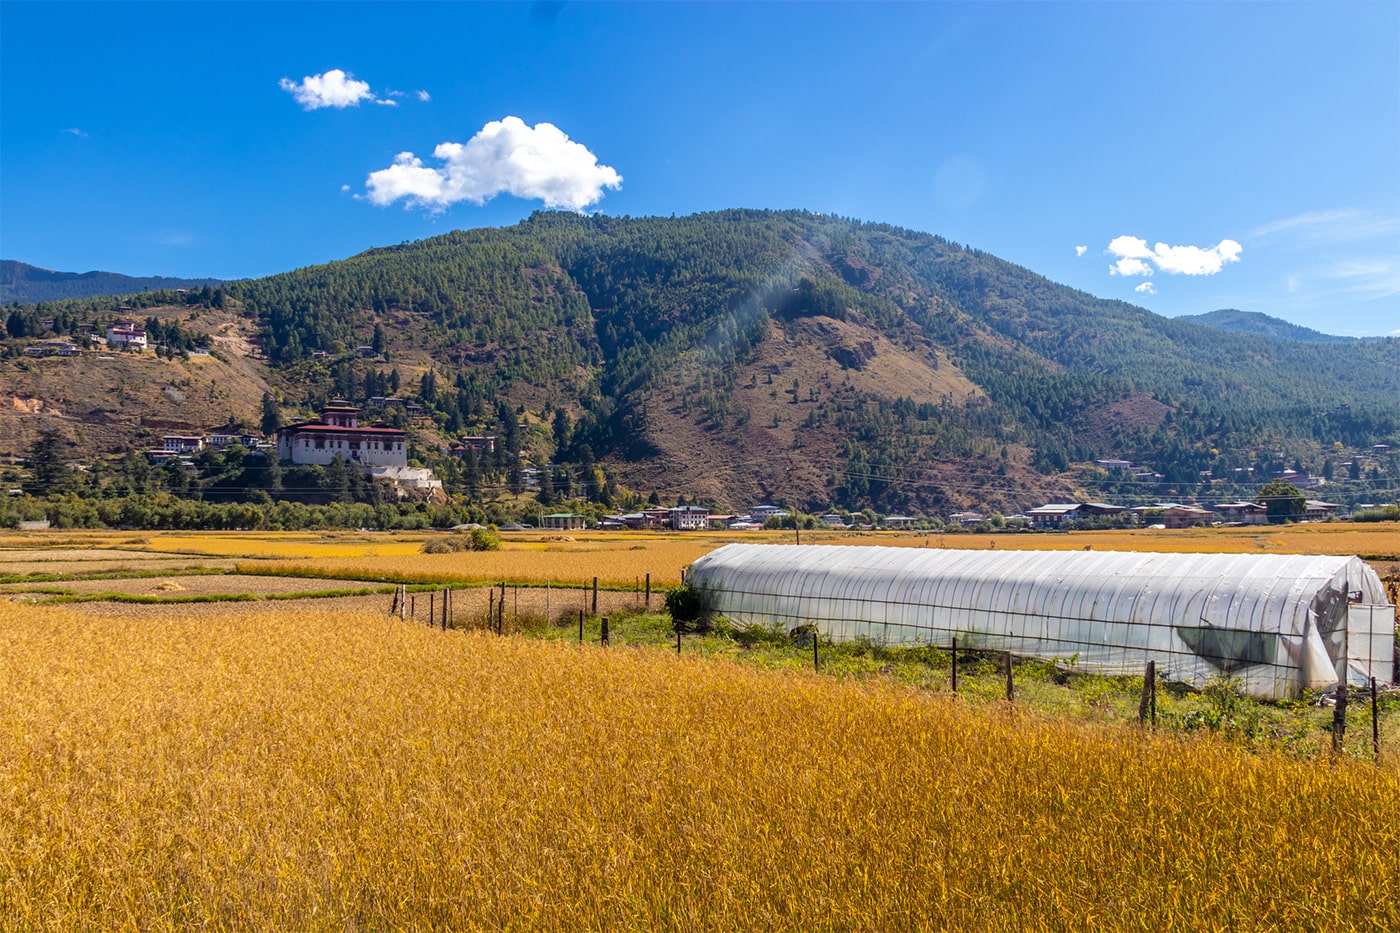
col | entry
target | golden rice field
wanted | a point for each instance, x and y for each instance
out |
(623, 559)
(350, 772)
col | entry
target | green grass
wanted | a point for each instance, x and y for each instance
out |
(1298, 726)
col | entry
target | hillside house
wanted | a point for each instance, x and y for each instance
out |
(127, 334)
(565, 521)
(898, 521)
(181, 443)
(965, 519)
(338, 432)
(477, 443)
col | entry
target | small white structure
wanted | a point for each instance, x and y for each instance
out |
(407, 477)
(1278, 623)
(338, 433)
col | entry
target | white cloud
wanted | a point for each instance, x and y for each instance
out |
(344, 187)
(1146, 288)
(1193, 260)
(1135, 258)
(1343, 225)
(1080, 250)
(1130, 267)
(1129, 247)
(76, 132)
(335, 89)
(424, 96)
(386, 103)
(506, 157)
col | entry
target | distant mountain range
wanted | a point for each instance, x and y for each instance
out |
(19, 281)
(749, 356)
(1252, 322)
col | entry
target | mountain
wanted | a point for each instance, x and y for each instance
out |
(22, 282)
(744, 356)
(1253, 322)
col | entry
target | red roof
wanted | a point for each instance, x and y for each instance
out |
(316, 427)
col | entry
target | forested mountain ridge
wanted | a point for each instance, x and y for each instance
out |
(19, 281)
(1253, 322)
(744, 354)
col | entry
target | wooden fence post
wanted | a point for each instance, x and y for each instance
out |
(446, 604)
(1375, 723)
(648, 591)
(955, 663)
(403, 601)
(432, 607)
(491, 608)
(816, 656)
(413, 608)
(678, 639)
(394, 609)
(1010, 687)
(580, 626)
(1147, 707)
(595, 596)
(605, 639)
(1339, 718)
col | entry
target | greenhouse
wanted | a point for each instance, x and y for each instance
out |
(1279, 624)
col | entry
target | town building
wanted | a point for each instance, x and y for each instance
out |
(338, 433)
(689, 518)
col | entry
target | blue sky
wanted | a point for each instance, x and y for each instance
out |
(1203, 155)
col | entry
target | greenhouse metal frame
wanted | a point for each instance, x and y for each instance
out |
(1278, 624)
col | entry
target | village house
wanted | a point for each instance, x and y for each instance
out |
(1053, 514)
(565, 521)
(1315, 511)
(477, 443)
(965, 519)
(127, 334)
(338, 433)
(181, 443)
(1244, 513)
(898, 521)
(1184, 516)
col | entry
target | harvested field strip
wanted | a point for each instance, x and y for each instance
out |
(320, 771)
(112, 597)
(197, 585)
(617, 568)
(118, 574)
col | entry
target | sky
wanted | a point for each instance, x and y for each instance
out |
(1182, 156)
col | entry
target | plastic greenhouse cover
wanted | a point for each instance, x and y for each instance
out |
(1277, 623)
